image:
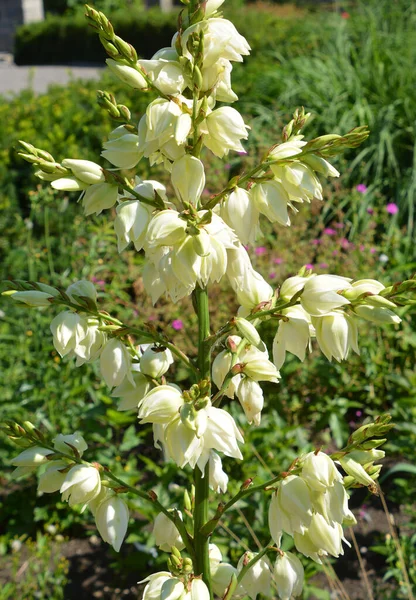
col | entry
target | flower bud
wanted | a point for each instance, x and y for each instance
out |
(166, 533)
(32, 457)
(251, 399)
(379, 315)
(241, 214)
(82, 288)
(224, 130)
(336, 332)
(99, 197)
(320, 165)
(271, 200)
(68, 330)
(126, 74)
(261, 369)
(319, 471)
(69, 184)
(32, 298)
(288, 575)
(248, 331)
(257, 579)
(286, 150)
(218, 479)
(198, 591)
(221, 578)
(82, 484)
(353, 468)
(112, 519)
(84, 170)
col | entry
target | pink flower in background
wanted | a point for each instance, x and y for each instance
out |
(272, 275)
(152, 318)
(373, 250)
(334, 252)
(309, 266)
(358, 413)
(316, 242)
(339, 225)
(323, 265)
(177, 324)
(370, 210)
(278, 261)
(329, 231)
(99, 282)
(361, 188)
(345, 15)
(260, 250)
(392, 208)
(345, 244)
(227, 166)
(362, 247)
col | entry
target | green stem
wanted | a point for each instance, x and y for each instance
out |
(201, 540)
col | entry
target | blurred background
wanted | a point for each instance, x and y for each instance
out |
(350, 64)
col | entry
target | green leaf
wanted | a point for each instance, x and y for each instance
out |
(399, 468)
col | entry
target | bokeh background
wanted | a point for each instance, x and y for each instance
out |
(350, 64)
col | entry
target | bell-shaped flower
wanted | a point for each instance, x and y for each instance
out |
(99, 197)
(288, 575)
(166, 229)
(131, 223)
(239, 212)
(212, 6)
(251, 399)
(112, 519)
(165, 121)
(325, 536)
(154, 585)
(259, 368)
(68, 330)
(172, 589)
(131, 395)
(91, 345)
(293, 335)
(32, 457)
(155, 361)
(248, 331)
(188, 179)
(66, 443)
(161, 405)
(220, 368)
(380, 315)
(69, 184)
(115, 363)
(321, 295)
(165, 71)
(320, 165)
(82, 484)
(299, 181)
(221, 40)
(122, 148)
(127, 74)
(222, 90)
(221, 578)
(293, 285)
(356, 470)
(333, 503)
(166, 533)
(364, 286)
(218, 479)
(53, 476)
(251, 288)
(305, 545)
(290, 508)
(258, 578)
(223, 130)
(83, 288)
(271, 200)
(198, 591)
(336, 333)
(319, 471)
(85, 170)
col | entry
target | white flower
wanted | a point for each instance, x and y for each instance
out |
(166, 228)
(172, 589)
(82, 288)
(127, 74)
(53, 476)
(356, 470)
(68, 330)
(288, 575)
(69, 184)
(377, 314)
(63, 443)
(239, 212)
(85, 170)
(336, 332)
(327, 537)
(320, 294)
(164, 122)
(99, 197)
(211, 6)
(122, 148)
(131, 223)
(251, 288)
(286, 150)
(82, 484)
(221, 40)
(223, 129)
(154, 361)
(290, 508)
(131, 395)
(112, 519)
(292, 286)
(299, 181)
(258, 578)
(32, 457)
(115, 363)
(320, 165)
(319, 471)
(161, 405)
(248, 331)
(220, 368)
(91, 345)
(188, 179)
(165, 72)
(218, 479)
(305, 545)
(221, 578)
(293, 335)
(166, 534)
(251, 399)
(198, 591)
(271, 200)
(154, 585)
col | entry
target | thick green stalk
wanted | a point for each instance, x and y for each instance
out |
(201, 540)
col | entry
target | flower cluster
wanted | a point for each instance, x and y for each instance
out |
(79, 483)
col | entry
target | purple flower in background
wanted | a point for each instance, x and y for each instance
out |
(334, 252)
(323, 265)
(227, 166)
(272, 275)
(177, 324)
(329, 231)
(339, 225)
(260, 250)
(278, 261)
(392, 208)
(345, 243)
(361, 188)
(358, 413)
(316, 242)
(362, 247)
(309, 266)
(373, 250)
(370, 210)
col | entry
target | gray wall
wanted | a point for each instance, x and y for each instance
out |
(14, 13)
